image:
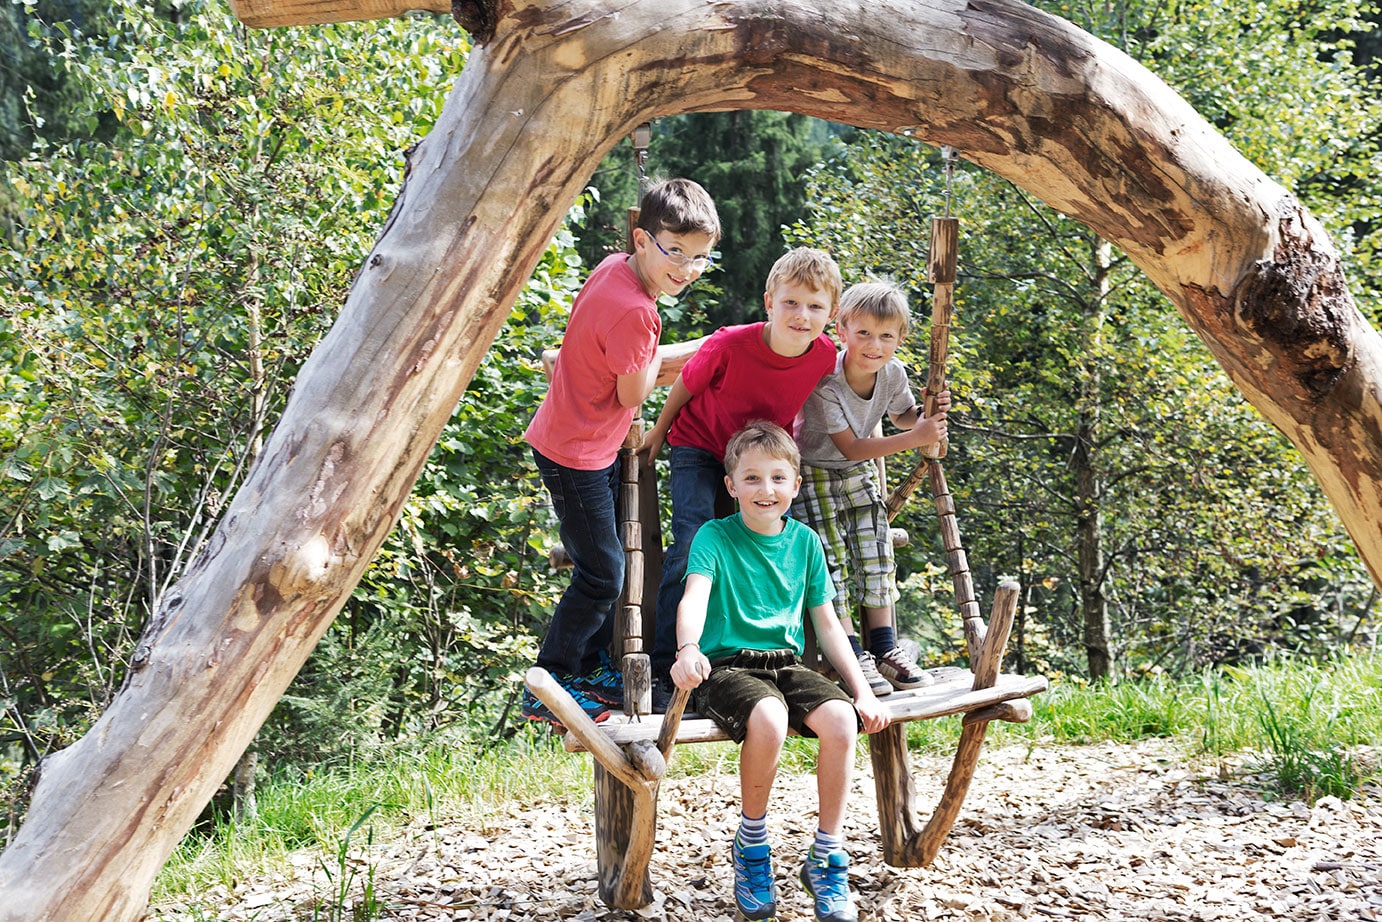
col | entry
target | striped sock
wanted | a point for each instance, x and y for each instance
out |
(826, 843)
(753, 832)
(854, 642)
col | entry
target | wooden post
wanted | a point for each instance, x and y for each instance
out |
(627, 779)
(957, 560)
(628, 636)
(985, 668)
(945, 237)
(941, 269)
(904, 843)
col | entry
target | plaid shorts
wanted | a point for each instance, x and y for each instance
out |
(846, 509)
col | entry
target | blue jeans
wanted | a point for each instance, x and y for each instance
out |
(583, 623)
(697, 478)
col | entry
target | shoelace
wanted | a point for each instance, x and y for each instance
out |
(605, 678)
(757, 872)
(829, 884)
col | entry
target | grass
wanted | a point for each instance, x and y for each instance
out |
(1306, 726)
(330, 812)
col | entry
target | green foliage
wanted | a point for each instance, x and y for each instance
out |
(454, 604)
(160, 289)
(753, 164)
(1098, 455)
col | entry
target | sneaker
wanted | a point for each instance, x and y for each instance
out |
(901, 670)
(755, 891)
(534, 709)
(880, 685)
(827, 881)
(662, 693)
(605, 684)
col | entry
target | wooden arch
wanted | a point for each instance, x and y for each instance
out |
(551, 87)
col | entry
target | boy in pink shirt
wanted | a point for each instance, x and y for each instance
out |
(606, 367)
(757, 371)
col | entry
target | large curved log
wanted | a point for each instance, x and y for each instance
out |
(1069, 119)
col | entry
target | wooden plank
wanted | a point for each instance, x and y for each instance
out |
(952, 694)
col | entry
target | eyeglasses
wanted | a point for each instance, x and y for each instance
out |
(678, 258)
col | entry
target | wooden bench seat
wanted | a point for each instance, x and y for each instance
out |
(952, 692)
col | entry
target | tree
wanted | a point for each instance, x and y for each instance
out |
(753, 164)
(1077, 454)
(1024, 94)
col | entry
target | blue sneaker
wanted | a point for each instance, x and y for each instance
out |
(605, 684)
(534, 709)
(755, 891)
(827, 880)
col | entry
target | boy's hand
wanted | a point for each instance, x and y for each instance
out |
(932, 429)
(871, 712)
(652, 443)
(691, 668)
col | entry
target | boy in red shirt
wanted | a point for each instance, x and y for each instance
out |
(606, 368)
(757, 371)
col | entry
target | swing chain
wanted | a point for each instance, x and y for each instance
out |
(642, 136)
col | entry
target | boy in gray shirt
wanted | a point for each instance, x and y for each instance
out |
(841, 497)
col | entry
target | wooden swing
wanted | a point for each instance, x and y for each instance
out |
(631, 751)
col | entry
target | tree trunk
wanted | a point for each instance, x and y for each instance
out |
(1064, 116)
(1089, 478)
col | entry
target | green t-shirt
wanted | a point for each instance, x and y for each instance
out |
(760, 585)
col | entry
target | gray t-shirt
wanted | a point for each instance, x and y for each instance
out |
(833, 407)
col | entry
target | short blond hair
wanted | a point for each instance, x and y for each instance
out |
(881, 302)
(764, 436)
(807, 266)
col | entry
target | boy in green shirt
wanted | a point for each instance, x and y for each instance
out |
(740, 636)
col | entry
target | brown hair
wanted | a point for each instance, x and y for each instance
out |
(807, 266)
(680, 206)
(761, 435)
(879, 301)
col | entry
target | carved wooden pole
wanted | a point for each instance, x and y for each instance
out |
(945, 248)
(629, 634)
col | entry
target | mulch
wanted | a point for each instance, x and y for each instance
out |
(1106, 831)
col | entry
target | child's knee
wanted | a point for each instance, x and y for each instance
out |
(834, 722)
(768, 719)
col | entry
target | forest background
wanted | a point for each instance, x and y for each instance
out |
(185, 202)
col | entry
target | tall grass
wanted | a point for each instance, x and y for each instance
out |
(1307, 724)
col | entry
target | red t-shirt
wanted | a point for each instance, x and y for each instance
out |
(734, 379)
(613, 331)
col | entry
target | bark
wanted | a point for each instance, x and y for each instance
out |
(1069, 119)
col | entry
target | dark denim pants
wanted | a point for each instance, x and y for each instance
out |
(697, 478)
(583, 623)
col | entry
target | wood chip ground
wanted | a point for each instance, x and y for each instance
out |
(1058, 832)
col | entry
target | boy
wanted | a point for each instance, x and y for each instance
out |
(756, 371)
(740, 632)
(841, 497)
(606, 367)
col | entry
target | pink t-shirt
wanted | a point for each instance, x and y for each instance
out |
(613, 331)
(734, 378)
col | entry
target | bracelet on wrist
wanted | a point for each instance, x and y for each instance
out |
(689, 643)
